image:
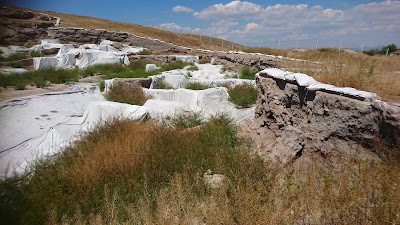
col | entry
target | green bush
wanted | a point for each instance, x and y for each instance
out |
(243, 95)
(248, 74)
(102, 85)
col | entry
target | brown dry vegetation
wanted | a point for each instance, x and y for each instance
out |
(377, 74)
(141, 173)
(127, 93)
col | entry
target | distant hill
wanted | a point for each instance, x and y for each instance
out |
(192, 41)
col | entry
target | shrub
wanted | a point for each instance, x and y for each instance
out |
(187, 120)
(248, 74)
(196, 86)
(36, 54)
(243, 95)
(162, 84)
(102, 85)
(126, 93)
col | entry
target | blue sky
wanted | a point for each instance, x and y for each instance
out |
(263, 23)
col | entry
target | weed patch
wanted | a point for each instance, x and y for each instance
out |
(248, 74)
(127, 93)
(196, 86)
(162, 84)
(40, 78)
(243, 95)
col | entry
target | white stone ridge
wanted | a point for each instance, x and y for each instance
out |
(312, 85)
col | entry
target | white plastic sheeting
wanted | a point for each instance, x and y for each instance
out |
(150, 67)
(187, 58)
(54, 43)
(40, 125)
(81, 58)
(133, 50)
(313, 85)
(45, 62)
(208, 102)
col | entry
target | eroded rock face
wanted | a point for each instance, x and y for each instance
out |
(292, 122)
(95, 36)
(18, 26)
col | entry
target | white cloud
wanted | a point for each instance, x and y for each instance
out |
(183, 9)
(234, 9)
(179, 29)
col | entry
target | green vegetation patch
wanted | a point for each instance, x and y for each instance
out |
(243, 95)
(196, 86)
(39, 78)
(248, 74)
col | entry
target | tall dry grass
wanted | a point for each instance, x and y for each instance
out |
(377, 74)
(145, 173)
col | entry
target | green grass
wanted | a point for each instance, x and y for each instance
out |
(102, 85)
(162, 84)
(196, 86)
(248, 74)
(36, 54)
(193, 68)
(243, 95)
(127, 93)
(17, 64)
(40, 78)
(14, 57)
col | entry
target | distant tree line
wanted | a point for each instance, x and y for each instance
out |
(387, 49)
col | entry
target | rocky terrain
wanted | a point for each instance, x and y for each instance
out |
(19, 27)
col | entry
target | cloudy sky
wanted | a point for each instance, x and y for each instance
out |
(266, 23)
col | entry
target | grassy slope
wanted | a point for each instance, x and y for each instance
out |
(70, 20)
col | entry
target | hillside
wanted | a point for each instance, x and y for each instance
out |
(70, 20)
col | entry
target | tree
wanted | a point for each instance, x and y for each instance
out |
(391, 47)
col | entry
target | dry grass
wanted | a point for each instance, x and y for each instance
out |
(369, 73)
(127, 93)
(142, 173)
